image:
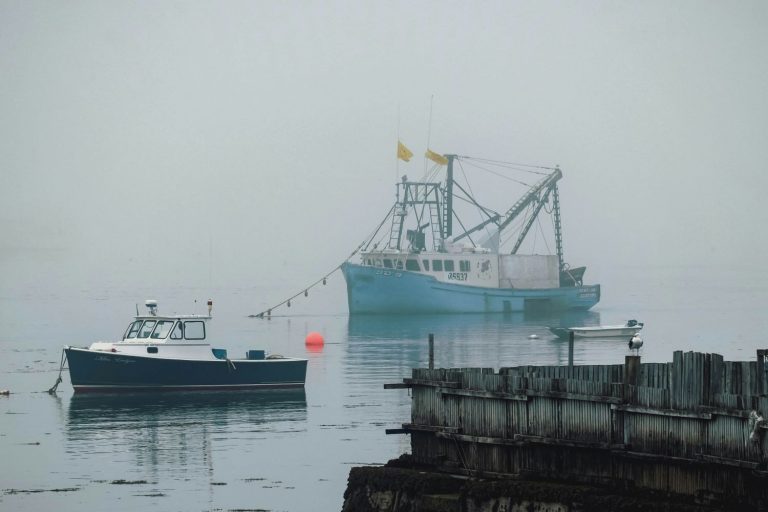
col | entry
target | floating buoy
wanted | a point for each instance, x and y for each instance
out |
(306, 293)
(323, 281)
(314, 340)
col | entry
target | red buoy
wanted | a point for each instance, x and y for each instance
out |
(314, 340)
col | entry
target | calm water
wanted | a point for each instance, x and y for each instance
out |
(293, 450)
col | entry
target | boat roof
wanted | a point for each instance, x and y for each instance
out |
(172, 317)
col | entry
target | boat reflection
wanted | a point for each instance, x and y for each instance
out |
(151, 432)
(399, 327)
(213, 408)
(393, 344)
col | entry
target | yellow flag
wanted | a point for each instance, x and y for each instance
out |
(403, 153)
(436, 157)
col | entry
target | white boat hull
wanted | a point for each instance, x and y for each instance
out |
(606, 331)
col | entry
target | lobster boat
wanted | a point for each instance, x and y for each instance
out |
(172, 352)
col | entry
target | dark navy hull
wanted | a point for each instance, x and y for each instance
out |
(108, 371)
(386, 291)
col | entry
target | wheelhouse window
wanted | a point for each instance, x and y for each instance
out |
(387, 263)
(146, 329)
(412, 265)
(162, 329)
(437, 265)
(178, 332)
(194, 330)
(133, 330)
(464, 266)
(449, 266)
(399, 264)
(426, 265)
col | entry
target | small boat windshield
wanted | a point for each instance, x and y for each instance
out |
(160, 329)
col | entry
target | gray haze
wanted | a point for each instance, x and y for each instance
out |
(219, 144)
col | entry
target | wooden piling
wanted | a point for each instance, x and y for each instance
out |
(570, 349)
(431, 351)
(680, 427)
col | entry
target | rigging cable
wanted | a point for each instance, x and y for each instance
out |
(472, 192)
(305, 291)
(500, 175)
(510, 164)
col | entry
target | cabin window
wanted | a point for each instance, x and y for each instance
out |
(426, 265)
(194, 330)
(463, 266)
(151, 350)
(399, 264)
(412, 265)
(437, 265)
(377, 263)
(369, 262)
(162, 329)
(178, 332)
(449, 266)
(133, 329)
(387, 263)
(146, 329)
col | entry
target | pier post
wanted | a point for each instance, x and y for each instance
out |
(570, 349)
(631, 375)
(761, 384)
(431, 351)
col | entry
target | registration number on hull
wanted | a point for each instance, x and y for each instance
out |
(457, 276)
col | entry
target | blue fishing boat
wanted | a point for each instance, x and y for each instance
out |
(159, 352)
(422, 266)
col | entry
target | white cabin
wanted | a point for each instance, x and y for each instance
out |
(473, 267)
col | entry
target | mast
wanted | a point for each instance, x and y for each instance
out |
(558, 232)
(448, 224)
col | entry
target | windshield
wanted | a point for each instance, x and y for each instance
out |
(132, 330)
(162, 329)
(146, 329)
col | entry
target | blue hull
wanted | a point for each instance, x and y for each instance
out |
(377, 290)
(107, 371)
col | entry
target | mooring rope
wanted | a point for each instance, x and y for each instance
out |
(268, 312)
(462, 458)
(305, 291)
(61, 367)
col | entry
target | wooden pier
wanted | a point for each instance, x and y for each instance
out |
(691, 428)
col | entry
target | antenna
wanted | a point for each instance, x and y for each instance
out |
(210, 259)
(429, 130)
(397, 158)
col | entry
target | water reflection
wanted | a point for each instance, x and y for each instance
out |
(145, 432)
(419, 326)
(379, 344)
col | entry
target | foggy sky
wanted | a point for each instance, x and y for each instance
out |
(239, 143)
